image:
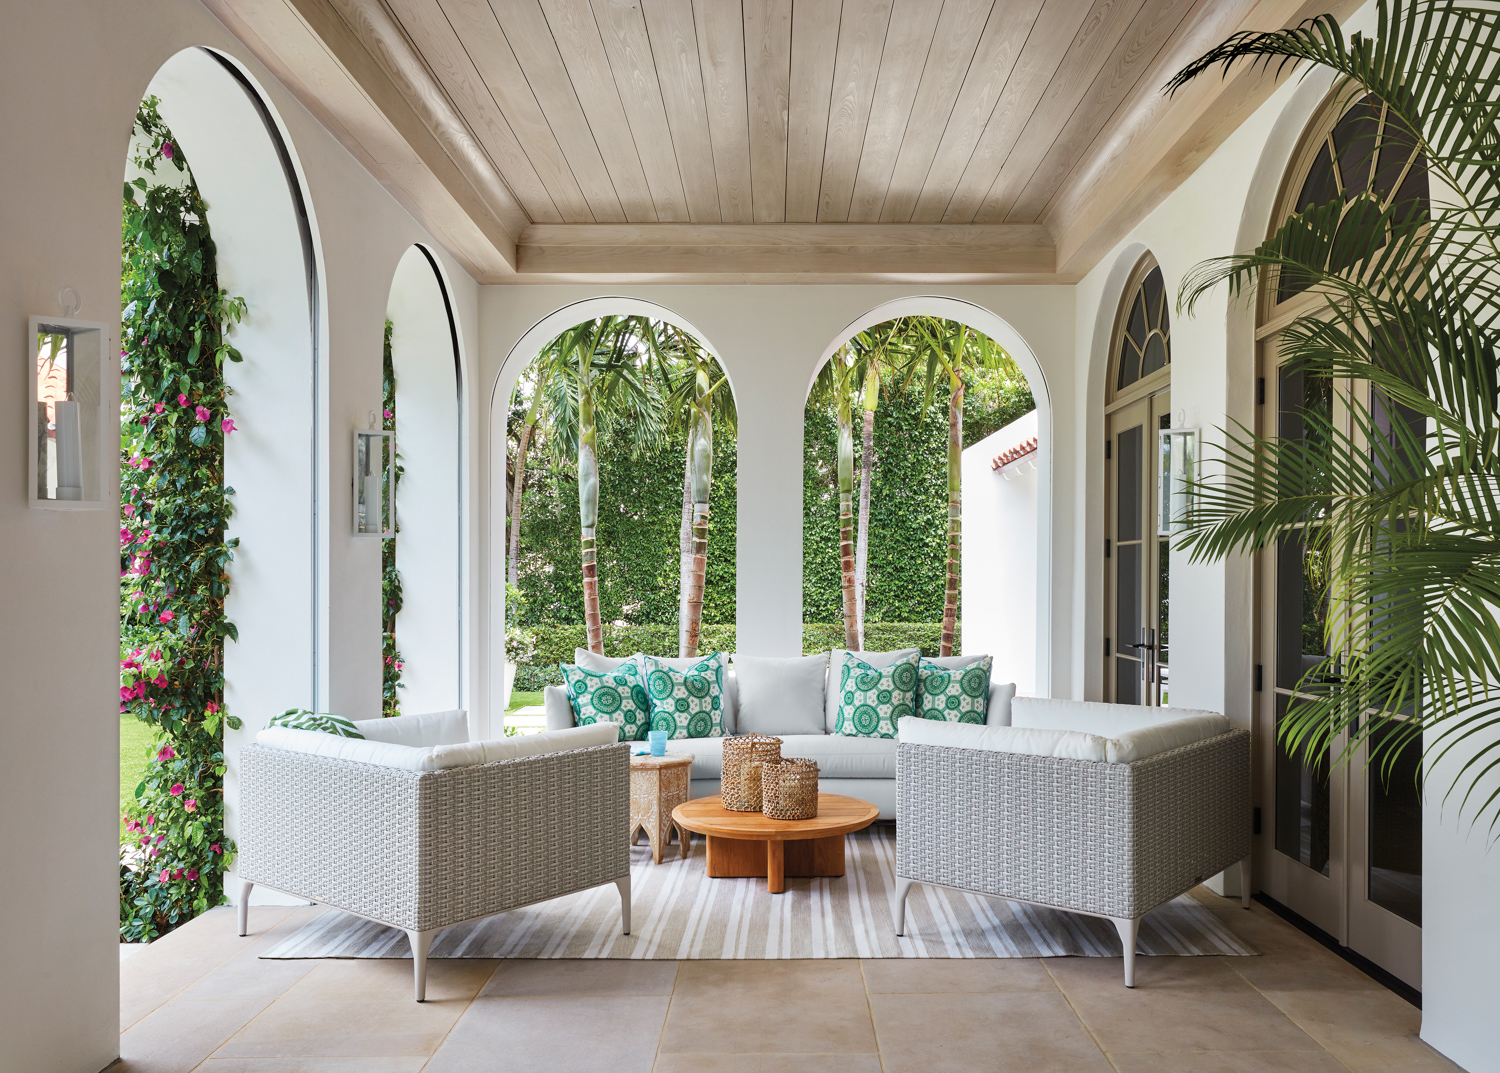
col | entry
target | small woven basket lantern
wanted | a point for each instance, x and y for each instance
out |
(744, 759)
(789, 790)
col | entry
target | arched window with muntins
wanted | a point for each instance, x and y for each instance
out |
(1146, 335)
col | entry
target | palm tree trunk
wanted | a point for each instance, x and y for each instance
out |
(685, 551)
(701, 456)
(514, 551)
(955, 515)
(588, 514)
(846, 527)
(862, 538)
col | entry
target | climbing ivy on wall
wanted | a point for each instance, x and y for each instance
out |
(174, 558)
(390, 579)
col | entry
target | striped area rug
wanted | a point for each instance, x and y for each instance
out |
(679, 913)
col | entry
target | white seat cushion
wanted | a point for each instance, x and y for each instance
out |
(1158, 738)
(838, 757)
(436, 757)
(1067, 744)
(432, 728)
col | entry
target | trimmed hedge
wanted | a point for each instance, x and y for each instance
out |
(555, 643)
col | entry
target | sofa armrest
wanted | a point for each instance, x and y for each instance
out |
(559, 709)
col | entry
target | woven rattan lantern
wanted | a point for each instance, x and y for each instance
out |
(745, 757)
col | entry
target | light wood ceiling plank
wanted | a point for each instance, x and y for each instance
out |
(468, 28)
(768, 61)
(994, 62)
(674, 43)
(530, 38)
(815, 39)
(721, 50)
(578, 41)
(1095, 42)
(1051, 36)
(862, 38)
(953, 45)
(1147, 39)
(622, 27)
(907, 42)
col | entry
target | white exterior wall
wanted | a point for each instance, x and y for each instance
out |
(1000, 555)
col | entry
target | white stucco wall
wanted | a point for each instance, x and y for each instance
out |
(999, 575)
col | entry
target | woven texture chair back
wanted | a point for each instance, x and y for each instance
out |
(789, 790)
(744, 759)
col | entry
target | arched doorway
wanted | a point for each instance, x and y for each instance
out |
(1137, 405)
(427, 551)
(1339, 844)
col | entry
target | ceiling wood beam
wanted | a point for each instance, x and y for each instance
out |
(784, 252)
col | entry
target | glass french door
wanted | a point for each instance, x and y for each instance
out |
(1136, 559)
(1339, 843)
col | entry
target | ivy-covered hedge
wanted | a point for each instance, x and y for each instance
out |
(553, 644)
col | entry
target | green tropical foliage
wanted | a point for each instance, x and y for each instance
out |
(1404, 515)
(174, 558)
(390, 577)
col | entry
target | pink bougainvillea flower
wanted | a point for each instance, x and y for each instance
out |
(150, 820)
(214, 848)
(201, 413)
(125, 537)
(155, 852)
(182, 400)
(228, 425)
(165, 877)
(176, 790)
(191, 804)
(160, 407)
(165, 617)
(129, 509)
(126, 692)
(191, 874)
(387, 413)
(165, 753)
(167, 150)
(212, 706)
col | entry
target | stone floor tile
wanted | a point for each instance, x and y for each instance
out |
(1226, 1062)
(1181, 1018)
(1370, 1032)
(389, 979)
(554, 1035)
(1289, 960)
(312, 1026)
(1151, 974)
(178, 1035)
(580, 977)
(768, 1063)
(248, 976)
(1034, 1032)
(412, 1064)
(933, 976)
(769, 1006)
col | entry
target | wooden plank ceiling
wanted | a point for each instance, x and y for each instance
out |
(761, 140)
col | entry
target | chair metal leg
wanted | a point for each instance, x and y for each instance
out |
(624, 884)
(421, 942)
(898, 910)
(1245, 883)
(1128, 930)
(244, 907)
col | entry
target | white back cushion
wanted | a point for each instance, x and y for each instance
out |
(780, 696)
(592, 661)
(1093, 717)
(1150, 740)
(1068, 744)
(431, 728)
(997, 713)
(437, 757)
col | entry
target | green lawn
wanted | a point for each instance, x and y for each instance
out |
(522, 700)
(137, 740)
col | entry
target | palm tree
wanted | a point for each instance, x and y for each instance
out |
(835, 386)
(1407, 521)
(872, 347)
(946, 348)
(528, 431)
(592, 367)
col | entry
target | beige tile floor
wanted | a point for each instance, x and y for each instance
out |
(201, 999)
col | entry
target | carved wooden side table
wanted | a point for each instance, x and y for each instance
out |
(658, 784)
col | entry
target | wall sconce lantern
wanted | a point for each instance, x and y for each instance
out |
(1179, 467)
(66, 419)
(374, 483)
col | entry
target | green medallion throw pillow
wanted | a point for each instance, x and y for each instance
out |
(690, 703)
(301, 719)
(954, 694)
(615, 696)
(873, 701)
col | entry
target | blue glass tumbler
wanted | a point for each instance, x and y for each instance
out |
(658, 740)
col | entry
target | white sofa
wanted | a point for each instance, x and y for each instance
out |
(854, 766)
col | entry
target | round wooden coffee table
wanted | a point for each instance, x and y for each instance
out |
(812, 847)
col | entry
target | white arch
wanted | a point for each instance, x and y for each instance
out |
(519, 357)
(1000, 330)
(429, 500)
(267, 253)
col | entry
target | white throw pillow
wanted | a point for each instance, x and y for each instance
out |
(431, 728)
(780, 696)
(878, 660)
(1066, 744)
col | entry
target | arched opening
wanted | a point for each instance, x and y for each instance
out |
(265, 255)
(656, 570)
(424, 560)
(1138, 405)
(1342, 844)
(998, 571)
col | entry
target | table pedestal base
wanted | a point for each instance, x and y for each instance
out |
(731, 858)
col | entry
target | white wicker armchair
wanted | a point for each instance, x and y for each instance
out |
(421, 847)
(1105, 826)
